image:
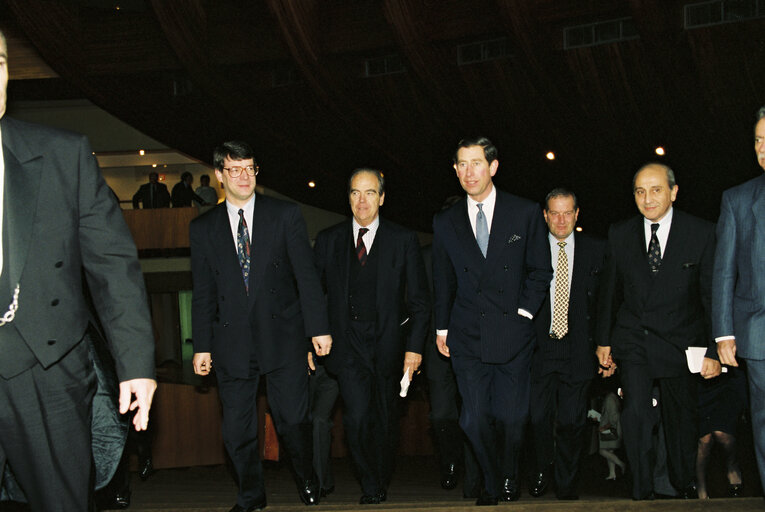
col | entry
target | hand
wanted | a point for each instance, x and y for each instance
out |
(311, 365)
(202, 363)
(143, 389)
(322, 344)
(710, 368)
(412, 360)
(607, 366)
(726, 350)
(441, 344)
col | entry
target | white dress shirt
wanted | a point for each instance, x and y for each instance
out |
(662, 233)
(369, 236)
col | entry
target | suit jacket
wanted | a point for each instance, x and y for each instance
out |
(477, 298)
(63, 219)
(578, 348)
(653, 319)
(285, 304)
(143, 195)
(403, 300)
(738, 299)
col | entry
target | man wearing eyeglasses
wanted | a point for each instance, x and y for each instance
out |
(257, 299)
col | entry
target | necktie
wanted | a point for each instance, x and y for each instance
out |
(654, 250)
(361, 249)
(481, 230)
(560, 304)
(243, 249)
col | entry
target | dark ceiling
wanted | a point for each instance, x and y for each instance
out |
(290, 77)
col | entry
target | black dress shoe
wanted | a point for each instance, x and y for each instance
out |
(539, 484)
(486, 500)
(257, 506)
(309, 493)
(369, 499)
(510, 490)
(449, 477)
(735, 490)
(382, 495)
(326, 492)
(145, 468)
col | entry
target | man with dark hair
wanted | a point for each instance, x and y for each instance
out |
(257, 299)
(152, 195)
(563, 364)
(59, 220)
(379, 308)
(206, 192)
(491, 271)
(183, 194)
(655, 302)
(738, 287)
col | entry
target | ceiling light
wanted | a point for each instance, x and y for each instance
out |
(311, 184)
(141, 152)
(550, 155)
(660, 151)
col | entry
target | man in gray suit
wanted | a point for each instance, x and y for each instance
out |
(58, 219)
(738, 286)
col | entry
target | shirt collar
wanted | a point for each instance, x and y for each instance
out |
(663, 223)
(488, 202)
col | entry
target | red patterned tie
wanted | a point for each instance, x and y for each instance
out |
(361, 249)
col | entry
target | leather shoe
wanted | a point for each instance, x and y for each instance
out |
(486, 500)
(309, 493)
(257, 506)
(735, 490)
(539, 484)
(382, 495)
(510, 490)
(369, 499)
(145, 468)
(449, 477)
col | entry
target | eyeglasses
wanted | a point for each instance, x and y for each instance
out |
(234, 172)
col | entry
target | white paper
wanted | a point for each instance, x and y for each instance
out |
(695, 357)
(405, 382)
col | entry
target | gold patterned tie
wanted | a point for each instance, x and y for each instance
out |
(560, 305)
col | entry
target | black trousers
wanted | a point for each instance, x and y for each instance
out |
(288, 399)
(45, 436)
(495, 405)
(678, 410)
(371, 413)
(445, 402)
(324, 390)
(555, 399)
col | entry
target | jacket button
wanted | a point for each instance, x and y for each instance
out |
(483, 314)
(504, 313)
(59, 264)
(225, 324)
(466, 269)
(54, 302)
(51, 342)
(273, 290)
(506, 268)
(273, 317)
(478, 291)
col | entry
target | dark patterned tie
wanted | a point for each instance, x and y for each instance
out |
(560, 303)
(361, 249)
(243, 249)
(654, 250)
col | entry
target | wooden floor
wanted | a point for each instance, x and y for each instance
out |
(415, 487)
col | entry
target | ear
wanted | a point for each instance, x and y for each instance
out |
(493, 166)
(673, 193)
(219, 176)
(382, 198)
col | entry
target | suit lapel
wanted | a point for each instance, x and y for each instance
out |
(464, 232)
(758, 207)
(384, 251)
(500, 230)
(263, 232)
(23, 172)
(343, 246)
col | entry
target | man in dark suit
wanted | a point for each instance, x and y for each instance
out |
(491, 270)
(257, 299)
(655, 303)
(183, 195)
(379, 309)
(738, 286)
(152, 195)
(59, 219)
(563, 364)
